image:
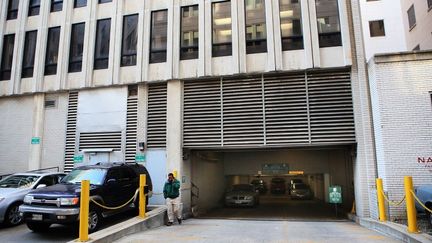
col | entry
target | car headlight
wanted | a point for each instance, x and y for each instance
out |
(69, 201)
(28, 199)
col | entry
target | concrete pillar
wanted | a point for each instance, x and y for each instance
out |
(35, 155)
(174, 126)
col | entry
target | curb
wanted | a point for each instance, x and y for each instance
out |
(155, 218)
(396, 231)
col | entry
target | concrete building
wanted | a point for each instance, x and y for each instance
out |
(221, 91)
(396, 26)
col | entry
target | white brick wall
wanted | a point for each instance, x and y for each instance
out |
(15, 133)
(400, 87)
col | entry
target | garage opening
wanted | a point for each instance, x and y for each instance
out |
(287, 183)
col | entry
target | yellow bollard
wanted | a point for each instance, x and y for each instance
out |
(175, 173)
(142, 198)
(411, 211)
(380, 196)
(84, 211)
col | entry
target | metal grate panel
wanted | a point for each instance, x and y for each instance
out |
(71, 131)
(156, 115)
(131, 128)
(101, 140)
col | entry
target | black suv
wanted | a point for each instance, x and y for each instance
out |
(111, 184)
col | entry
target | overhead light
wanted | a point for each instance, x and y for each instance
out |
(225, 32)
(286, 14)
(223, 21)
(287, 26)
(296, 172)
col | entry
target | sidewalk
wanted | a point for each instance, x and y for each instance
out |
(211, 230)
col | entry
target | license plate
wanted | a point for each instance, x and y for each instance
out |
(37, 217)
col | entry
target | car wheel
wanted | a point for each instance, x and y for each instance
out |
(38, 227)
(13, 216)
(93, 220)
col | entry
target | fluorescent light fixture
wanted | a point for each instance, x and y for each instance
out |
(223, 21)
(225, 32)
(287, 26)
(286, 14)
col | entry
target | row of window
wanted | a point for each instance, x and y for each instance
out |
(256, 39)
(34, 7)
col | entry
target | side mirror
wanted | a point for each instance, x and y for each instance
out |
(41, 185)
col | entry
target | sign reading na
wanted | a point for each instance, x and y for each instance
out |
(140, 158)
(78, 158)
(35, 140)
(335, 194)
(275, 169)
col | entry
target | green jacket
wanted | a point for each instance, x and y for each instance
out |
(171, 189)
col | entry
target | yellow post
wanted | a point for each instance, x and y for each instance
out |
(84, 211)
(411, 211)
(142, 198)
(380, 196)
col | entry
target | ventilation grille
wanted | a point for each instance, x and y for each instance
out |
(71, 131)
(131, 128)
(100, 140)
(156, 116)
(296, 109)
(202, 118)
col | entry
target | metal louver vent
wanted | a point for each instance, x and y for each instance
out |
(100, 140)
(243, 112)
(331, 107)
(286, 110)
(71, 131)
(291, 109)
(131, 128)
(156, 115)
(202, 120)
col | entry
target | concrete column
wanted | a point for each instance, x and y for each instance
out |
(35, 154)
(174, 127)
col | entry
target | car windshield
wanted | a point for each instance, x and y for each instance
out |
(96, 176)
(18, 181)
(300, 186)
(247, 188)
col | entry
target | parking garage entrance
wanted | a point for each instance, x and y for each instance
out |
(288, 183)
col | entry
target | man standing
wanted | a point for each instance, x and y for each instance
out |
(171, 193)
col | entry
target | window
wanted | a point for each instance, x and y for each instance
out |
(189, 33)
(76, 47)
(129, 41)
(12, 12)
(80, 3)
(411, 17)
(29, 54)
(158, 42)
(291, 25)
(7, 57)
(105, 1)
(51, 58)
(328, 23)
(222, 42)
(103, 31)
(256, 36)
(376, 28)
(34, 7)
(56, 5)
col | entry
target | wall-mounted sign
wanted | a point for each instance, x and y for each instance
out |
(140, 158)
(275, 169)
(35, 140)
(425, 162)
(335, 194)
(78, 158)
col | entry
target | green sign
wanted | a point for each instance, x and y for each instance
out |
(335, 194)
(78, 158)
(140, 158)
(275, 169)
(35, 140)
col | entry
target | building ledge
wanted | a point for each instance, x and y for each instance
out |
(402, 56)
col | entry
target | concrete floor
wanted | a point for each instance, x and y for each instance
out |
(219, 230)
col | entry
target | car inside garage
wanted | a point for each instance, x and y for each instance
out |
(288, 183)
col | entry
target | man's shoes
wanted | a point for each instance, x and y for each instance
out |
(179, 220)
(169, 224)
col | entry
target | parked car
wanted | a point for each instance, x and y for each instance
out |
(111, 184)
(424, 194)
(242, 195)
(13, 188)
(278, 185)
(260, 185)
(292, 182)
(301, 191)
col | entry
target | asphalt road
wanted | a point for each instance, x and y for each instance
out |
(56, 233)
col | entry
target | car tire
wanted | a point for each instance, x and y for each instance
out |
(38, 227)
(12, 216)
(94, 220)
